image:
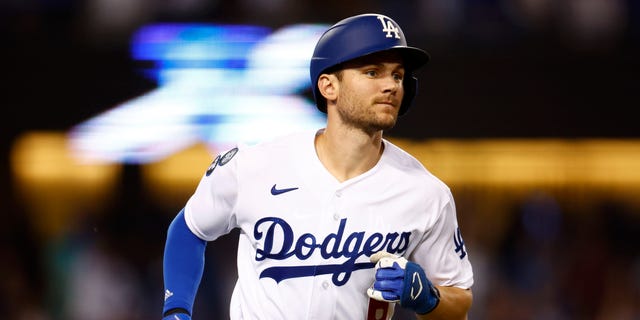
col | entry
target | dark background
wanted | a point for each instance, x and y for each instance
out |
(499, 69)
(493, 72)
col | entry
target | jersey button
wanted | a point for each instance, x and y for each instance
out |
(338, 193)
(336, 216)
(325, 284)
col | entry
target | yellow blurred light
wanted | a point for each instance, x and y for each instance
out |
(53, 185)
(172, 180)
(506, 162)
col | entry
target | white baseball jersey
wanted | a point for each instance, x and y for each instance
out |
(306, 237)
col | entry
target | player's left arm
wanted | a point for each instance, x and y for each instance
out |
(454, 304)
(445, 256)
(443, 252)
(399, 280)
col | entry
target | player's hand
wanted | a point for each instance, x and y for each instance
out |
(399, 280)
(177, 316)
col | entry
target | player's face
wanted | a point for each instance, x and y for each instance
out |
(371, 91)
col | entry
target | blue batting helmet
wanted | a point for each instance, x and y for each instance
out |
(359, 36)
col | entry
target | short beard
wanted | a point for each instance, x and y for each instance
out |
(365, 122)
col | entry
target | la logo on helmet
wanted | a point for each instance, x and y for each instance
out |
(389, 27)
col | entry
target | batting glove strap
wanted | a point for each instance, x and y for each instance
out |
(418, 294)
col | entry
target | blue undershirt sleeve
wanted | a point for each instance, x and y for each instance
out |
(183, 265)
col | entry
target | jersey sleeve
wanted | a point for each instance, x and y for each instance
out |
(442, 253)
(209, 212)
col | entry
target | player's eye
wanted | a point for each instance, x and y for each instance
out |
(398, 76)
(371, 73)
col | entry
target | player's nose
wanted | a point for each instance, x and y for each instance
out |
(391, 83)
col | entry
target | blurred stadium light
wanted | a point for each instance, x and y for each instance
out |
(217, 84)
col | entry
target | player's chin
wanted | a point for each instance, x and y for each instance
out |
(388, 114)
(385, 122)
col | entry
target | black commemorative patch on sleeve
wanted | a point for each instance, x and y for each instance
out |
(213, 165)
(228, 156)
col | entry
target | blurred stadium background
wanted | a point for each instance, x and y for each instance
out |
(526, 111)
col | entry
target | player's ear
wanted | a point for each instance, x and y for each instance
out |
(328, 86)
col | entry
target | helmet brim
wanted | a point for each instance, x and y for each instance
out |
(413, 58)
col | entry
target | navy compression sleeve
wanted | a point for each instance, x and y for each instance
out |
(183, 265)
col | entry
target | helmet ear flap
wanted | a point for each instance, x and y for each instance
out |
(410, 88)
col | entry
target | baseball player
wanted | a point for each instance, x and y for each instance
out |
(337, 223)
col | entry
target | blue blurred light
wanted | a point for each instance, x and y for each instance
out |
(217, 84)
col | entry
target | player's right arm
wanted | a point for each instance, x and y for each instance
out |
(207, 215)
(183, 265)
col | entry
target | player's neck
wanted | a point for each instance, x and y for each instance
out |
(346, 153)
